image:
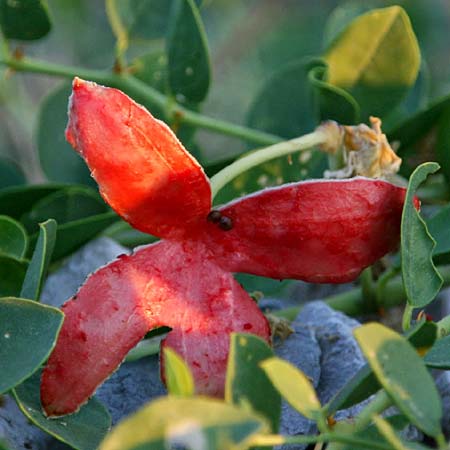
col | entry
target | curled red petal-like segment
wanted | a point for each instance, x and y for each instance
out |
(168, 283)
(143, 171)
(316, 231)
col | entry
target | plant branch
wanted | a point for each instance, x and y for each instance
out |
(119, 31)
(220, 179)
(142, 91)
(381, 402)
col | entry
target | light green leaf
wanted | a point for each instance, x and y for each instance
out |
(294, 386)
(376, 59)
(24, 19)
(83, 430)
(12, 274)
(187, 422)
(421, 279)
(13, 238)
(179, 380)
(28, 332)
(40, 260)
(188, 54)
(403, 375)
(364, 383)
(10, 174)
(59, 160)
(246, 383)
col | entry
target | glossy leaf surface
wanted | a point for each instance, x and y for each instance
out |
(13, 238)
(360, 60)
(294, 386)
(173, 421)
(421, 279)
(400, 371)
(82, 431)
(188, 54)
(24, 348)
(25, 20)
(247, 383)
(37, 269)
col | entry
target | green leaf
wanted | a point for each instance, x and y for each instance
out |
(412, 129)
(332, 102)
(28, 332)
(40, 260)
(364, 383)
(25, 20)
(188, 54)
(58, 159)
(403, 375)
(439, 228)
(438, 357)
(83, 430)
(442, 147)
(179, 379)
(17, 200)
(294, 386)
(10, 174)
(66, 205)
(185, 422)
(72, 235)
(13, 238)
(283, 105)
(388, 433)
(246, 383)
(362, 58)
(12, 274)
(421, 279)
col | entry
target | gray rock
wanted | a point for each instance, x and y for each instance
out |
(133, 385)
(302, 350)
(443, 386)
(66, 281)
(19, 434)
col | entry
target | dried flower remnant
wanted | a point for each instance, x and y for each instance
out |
(366, 150)
(321, 231)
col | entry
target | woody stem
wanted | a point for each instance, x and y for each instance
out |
(220, 179)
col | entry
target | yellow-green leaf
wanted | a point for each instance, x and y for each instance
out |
(179, 378)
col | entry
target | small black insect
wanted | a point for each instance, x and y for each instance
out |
(225, 223)
(214, 216)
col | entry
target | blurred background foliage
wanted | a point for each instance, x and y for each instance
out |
(250, 43)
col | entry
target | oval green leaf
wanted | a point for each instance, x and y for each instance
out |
(17, 200)
(364, 383)
(183, 421)
(10, 174)
(28, 332)
(58, 159)
(403, 375)
(25, 20)
(294, 386)
(362, 58)
(179, 380)
(13, 238)
(332, 102)
(421, 279)
(188, 54)
(66, 205)
(40, 260)
(246, 383)
(438, 357)
(83, 430)
(12, 274)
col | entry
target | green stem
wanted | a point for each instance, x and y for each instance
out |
(141, 90)
(220, 179)
(380, 403)
(119, 31)
(271, 440)
(407, 316)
